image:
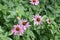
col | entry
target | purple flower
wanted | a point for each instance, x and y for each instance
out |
(48, 21)
(37, 19)
(24, 24)
(34, 2)
(18, 30)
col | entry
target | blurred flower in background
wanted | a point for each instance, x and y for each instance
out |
(18, 18)
(37, 19)
(24, 23)
(34, 2)
(48, 21)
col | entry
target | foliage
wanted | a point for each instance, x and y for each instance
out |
(11, 9)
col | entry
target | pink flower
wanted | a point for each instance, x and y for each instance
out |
(24, 24)
(37, 19)
(18, 30)
(34, 2)
(48, 21)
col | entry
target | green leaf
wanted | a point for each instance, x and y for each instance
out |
(2, 37)
(1, 30)
(30, 34)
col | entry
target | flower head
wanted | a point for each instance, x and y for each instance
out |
(48, 21)
(34, 2)
(17, 30)
(37, 19)
(24, 24)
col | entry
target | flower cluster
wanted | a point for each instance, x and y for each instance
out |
(24, 24)
(20, 27)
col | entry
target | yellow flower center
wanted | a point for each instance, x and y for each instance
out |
(18, 18)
